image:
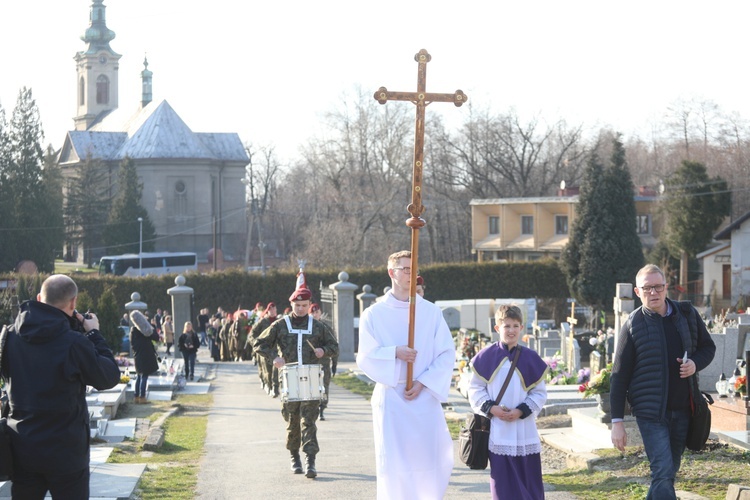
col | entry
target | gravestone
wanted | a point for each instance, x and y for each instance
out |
(623, 305)
(595, 362)
(573, 354)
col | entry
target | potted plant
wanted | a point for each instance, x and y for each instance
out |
(598, 386)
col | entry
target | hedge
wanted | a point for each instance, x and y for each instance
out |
(234, 288)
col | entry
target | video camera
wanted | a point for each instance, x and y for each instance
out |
(77, 325)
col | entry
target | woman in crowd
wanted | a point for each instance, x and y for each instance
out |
(189, 343)
(142, 334)
(168, 332)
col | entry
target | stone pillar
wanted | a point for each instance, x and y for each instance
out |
(366, 299)
(135, 303)
(623, 306)
(343, 315)
(182, 299)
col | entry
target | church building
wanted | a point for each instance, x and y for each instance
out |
(192, 182)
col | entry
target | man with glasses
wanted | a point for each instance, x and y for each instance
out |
(413, 447)
(653, 373)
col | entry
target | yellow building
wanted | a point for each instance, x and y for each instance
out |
(527, 229)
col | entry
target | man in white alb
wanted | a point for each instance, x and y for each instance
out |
(413, 447)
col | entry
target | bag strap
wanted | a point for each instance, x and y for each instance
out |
(510, 374)
(3, 338)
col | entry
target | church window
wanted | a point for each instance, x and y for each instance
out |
(180, 199)
(102, 90)
(81, 92)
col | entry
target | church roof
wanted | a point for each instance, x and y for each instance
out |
(155, 131)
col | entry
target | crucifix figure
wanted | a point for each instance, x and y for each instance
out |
(421, 98)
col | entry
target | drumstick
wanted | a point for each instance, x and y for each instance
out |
(310, 343)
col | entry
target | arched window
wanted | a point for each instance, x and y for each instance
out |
(81, 92)
(102, 90)
(180, 200)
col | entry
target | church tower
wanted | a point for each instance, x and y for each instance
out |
(97, 71)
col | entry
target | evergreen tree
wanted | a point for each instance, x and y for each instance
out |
(122, 234)
(31, 212)
(109, 322)
(604, 247)
(86, 207)
(694, 206)
(84, 302)
(7, 224)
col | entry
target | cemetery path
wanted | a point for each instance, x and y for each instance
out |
(245, 457)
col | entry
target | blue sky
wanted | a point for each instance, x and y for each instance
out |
(269, 70)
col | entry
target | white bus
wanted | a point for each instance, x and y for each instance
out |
(153, 263)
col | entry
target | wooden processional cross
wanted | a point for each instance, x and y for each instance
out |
(421, 98)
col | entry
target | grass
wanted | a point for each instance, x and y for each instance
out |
(62, 267)
(627, 475)
(353, 384)
(172, 470)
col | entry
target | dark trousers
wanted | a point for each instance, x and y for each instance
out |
(33, 486)
(141, 381)
(189, 358)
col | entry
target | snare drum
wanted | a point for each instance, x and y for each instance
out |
(301, 382)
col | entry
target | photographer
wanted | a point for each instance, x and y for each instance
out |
(51, 354)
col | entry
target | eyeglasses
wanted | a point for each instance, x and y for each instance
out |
(406, 270)
(655, 288)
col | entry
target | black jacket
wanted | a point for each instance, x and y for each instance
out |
(189, 342)
(640, 369)
(143, 351)
(47, 366)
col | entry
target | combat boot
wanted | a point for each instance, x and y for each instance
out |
(296, 463)
(310, 466)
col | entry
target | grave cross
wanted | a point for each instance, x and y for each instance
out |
(572, 319)
(421, 98)
(570, 350)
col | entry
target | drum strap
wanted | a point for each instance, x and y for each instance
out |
(300, 334)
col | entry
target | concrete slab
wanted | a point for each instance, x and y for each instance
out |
(115, 480)
(159, 395)
(100, 454)
(737, 438)
(108, 481)
(121, 427)
(196, 388)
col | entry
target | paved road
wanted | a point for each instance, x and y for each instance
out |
(245, 457)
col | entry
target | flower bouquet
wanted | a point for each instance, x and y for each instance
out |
(740, 384)
(598, 384)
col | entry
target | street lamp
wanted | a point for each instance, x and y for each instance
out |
(140, 247)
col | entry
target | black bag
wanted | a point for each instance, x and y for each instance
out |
(6, 453)
(700, 421)
(474, 436)
(474, 441)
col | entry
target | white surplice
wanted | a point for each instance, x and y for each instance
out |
(413, 447)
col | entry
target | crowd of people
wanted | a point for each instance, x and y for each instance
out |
(662, 346)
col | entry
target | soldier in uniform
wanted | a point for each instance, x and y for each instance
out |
(329, 364)
(269, 376)
(283, 342)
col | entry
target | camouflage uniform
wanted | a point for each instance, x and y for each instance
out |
(275, 341)
(329, 365)
(269, 376)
